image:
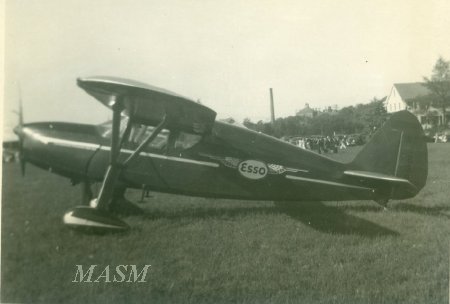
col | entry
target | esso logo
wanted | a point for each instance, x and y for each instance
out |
(253, 169)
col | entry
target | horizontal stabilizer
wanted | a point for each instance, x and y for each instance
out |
(388, 179)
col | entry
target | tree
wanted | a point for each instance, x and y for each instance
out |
(374, 114)
(364, 118)
(439, 85)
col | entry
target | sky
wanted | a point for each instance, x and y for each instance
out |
(227, 54)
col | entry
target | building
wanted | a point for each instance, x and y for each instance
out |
(413, 97)
(307, 111)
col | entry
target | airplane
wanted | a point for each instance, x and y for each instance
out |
(164, 142)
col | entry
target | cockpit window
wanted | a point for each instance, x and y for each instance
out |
(178, 141)
(139, 133)
(186, 140)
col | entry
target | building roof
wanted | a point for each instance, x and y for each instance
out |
(411, 90)
(305, 111)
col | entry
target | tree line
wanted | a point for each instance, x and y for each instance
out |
(362, 118)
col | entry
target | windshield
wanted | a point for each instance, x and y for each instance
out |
(105, 129)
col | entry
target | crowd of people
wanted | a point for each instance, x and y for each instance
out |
(326, 144)
(441, 137)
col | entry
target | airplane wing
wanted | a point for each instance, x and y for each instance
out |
(148, 105)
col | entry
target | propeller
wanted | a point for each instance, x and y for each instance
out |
(19, 131)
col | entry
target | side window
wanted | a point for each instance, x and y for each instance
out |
(139, 133)
(185, 141)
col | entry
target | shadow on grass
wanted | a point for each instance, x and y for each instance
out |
(204, 213)
(434, 211)
(313, 214)
(332, 219)
(404, 207)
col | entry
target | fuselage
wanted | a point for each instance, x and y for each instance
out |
(229, 162)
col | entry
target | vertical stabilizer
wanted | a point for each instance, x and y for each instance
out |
(397, 149)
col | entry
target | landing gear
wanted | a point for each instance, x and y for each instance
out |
(111, 197)
(383, 203)
(120, 205)
(89, 219)
(145, 194)
(86, 193)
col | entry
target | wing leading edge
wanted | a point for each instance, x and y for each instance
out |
(148, 104)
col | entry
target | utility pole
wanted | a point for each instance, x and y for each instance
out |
(272, 110)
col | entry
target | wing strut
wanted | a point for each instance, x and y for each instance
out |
(96, 217)
(115, 167)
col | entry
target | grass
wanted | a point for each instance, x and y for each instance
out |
(216, 251)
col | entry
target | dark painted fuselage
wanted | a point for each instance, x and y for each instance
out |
(229, 162)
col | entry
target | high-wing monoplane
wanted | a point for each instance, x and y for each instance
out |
(161, 141)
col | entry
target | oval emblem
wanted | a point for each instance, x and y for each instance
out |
(252, 169)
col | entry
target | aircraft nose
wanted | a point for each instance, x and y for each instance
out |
(26, 133)
(63, 147)
(33, 145)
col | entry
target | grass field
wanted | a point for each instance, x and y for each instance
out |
(215, 251)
